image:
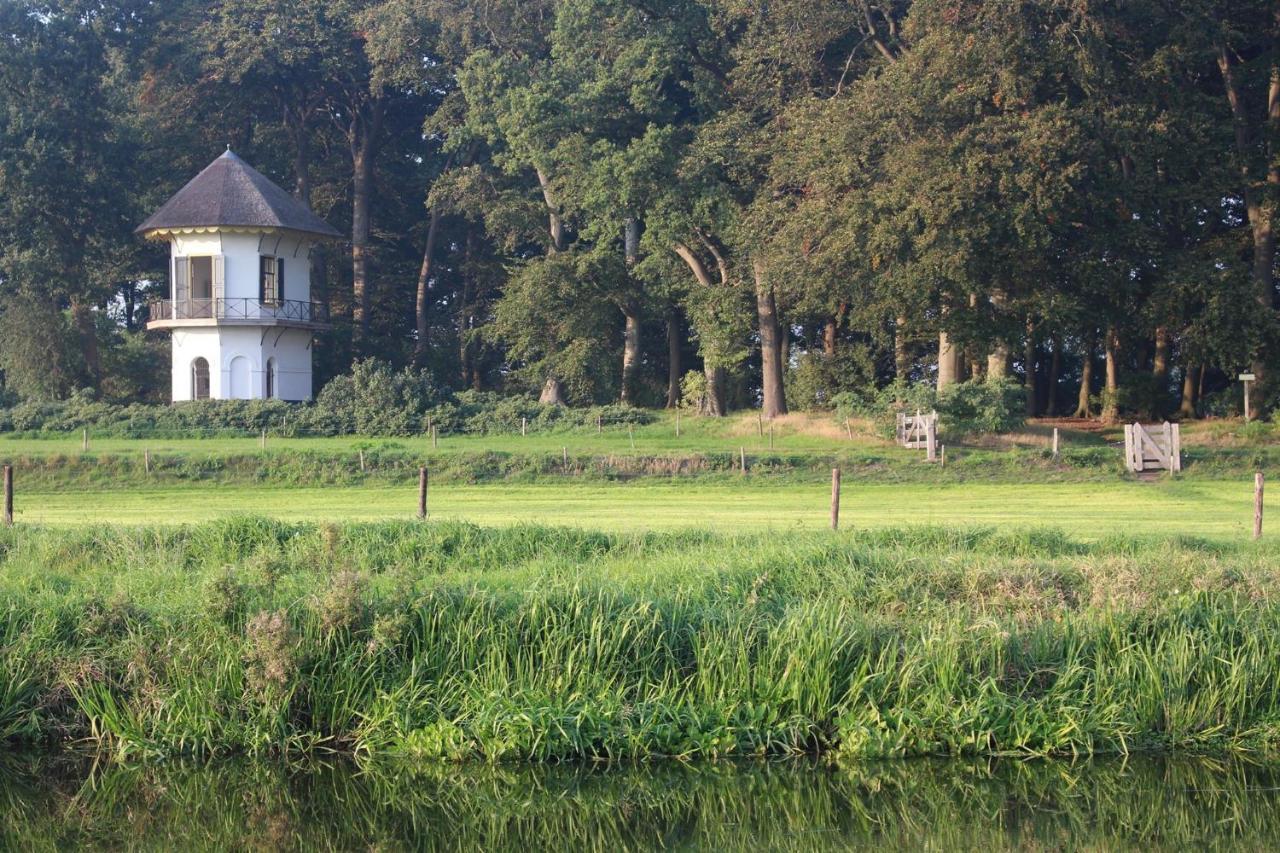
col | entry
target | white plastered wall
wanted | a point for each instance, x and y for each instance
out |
(241, 253)
(188, 345)
(220, 345)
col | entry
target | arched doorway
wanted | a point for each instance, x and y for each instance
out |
(271, 379)
(240, 379)
(200, 379)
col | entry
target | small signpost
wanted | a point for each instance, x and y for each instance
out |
(1248, 379)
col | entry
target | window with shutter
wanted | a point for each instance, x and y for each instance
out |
(280, 279)
(268, 290)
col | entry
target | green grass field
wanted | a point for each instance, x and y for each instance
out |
(1192, 508)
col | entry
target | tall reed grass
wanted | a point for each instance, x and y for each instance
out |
(453, 642)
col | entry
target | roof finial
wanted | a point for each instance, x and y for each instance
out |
(228, 146)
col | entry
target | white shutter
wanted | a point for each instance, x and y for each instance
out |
(219, 280)
(181, 281)
(279, 280)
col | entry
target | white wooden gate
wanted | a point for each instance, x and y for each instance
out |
(1154, 448)
(919, 432)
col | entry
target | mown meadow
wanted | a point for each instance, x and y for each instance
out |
(449, 641)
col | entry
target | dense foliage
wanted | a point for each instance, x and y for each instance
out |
(591, 198)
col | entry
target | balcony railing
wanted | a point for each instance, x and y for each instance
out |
(288, 310)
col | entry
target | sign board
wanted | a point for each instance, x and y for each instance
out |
(1247, 377)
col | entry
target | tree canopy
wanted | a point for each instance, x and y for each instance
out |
(767, 205)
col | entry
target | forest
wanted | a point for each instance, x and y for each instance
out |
(725, 203)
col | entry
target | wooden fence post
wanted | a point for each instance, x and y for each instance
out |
(361, 461)
(742, 459)
(146, 460)
(84, 440)
(435, 437)
(264, 438)
(631, 434)
(599, 424)
(931, 440)
(848, 429)
(1055, 444)
(564, 457)
(1257, 505)
(771, 436)
(835, 498)
(8, 495)
(422, 492)
(677, 423)
(942, 455)
(759, 424)
(524, 426)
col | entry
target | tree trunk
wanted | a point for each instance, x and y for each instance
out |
(1260, 205)
(774, 402)
(87, 331)
(998, 361)
(1160, 371)
(948, 361)
(1086, 383)
(466, 316)
(674, 347)
(363, 139)
(1188, 407)
(1055, 371)
(998, 355)
(784, 343)
(552, 393)
(422, 341)
(901, 352)
(1111, 391)
(1029, 369)
(715, 403)
(630, 310)
(630, 353)
(555, 225)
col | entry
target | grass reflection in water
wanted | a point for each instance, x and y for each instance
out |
(1157, 803)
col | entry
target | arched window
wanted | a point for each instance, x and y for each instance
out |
(271, 379)
(200, 379)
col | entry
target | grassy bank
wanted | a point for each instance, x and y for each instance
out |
(449, 641)
(803, 448)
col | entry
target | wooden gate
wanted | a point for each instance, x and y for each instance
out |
(1154, 448)
(919, 432)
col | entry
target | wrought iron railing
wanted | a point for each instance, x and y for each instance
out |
(239, 309)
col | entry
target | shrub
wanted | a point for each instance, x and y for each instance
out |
(375, 400)
(978, 407)
(818, 380)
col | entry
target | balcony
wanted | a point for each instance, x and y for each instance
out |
(169, 314)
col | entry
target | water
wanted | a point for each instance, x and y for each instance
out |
(1150, 803)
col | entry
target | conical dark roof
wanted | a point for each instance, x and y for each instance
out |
(230, 192)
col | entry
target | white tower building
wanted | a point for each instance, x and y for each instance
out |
(239, 303)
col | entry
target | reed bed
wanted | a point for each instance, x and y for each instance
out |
(448, 641)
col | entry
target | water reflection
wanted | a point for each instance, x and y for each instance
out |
(1155, 803)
